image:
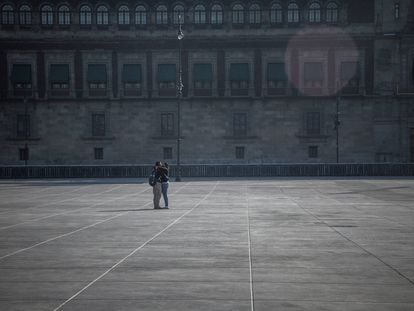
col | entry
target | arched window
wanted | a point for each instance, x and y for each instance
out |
(199, 14)
(47, 15)
(276, 14)
(216, 14)
(238, 14)
(161, 16)
(293, 13)
(102, 15)
(25, 15)
(123, 15)
(7, 15)
(178, 12)
(140, 15)
(332, 12)
(64, 15)
(85, 15)
(315, 13)
(254, 14)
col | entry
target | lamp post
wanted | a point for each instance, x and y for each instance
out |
(337, 123)
(180, 86)
(26, 136)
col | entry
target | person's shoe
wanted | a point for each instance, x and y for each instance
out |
(166, 207)
(157, 207)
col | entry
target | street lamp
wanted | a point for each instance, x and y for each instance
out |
(26, 125)
(180, 86)
(337, 123)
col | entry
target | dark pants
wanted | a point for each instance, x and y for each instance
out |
(164, 189)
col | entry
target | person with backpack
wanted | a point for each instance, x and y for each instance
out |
(164, 183)
(155, 181)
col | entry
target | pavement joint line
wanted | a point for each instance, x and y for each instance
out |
(355, 243)
(250, 251)
(138, 248)
(71, 199)
(47, 195)
(65, 213)
(83, 228)
(355, 206)
(66, 234)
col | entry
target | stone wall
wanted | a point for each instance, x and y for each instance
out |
(370, 130)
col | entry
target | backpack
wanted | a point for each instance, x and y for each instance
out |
(151, 179)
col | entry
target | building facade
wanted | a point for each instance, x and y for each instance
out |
(95, 82)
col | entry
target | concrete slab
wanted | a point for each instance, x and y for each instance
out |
(228, 244)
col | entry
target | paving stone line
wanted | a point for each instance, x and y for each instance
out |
(55, 202)
(86, 227)
(137, 249)
(31, 198)
(353, 242)
(250, 249)
(72, 211)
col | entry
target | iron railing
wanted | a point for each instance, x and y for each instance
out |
(200, 170)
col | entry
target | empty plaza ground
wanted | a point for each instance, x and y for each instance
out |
(229, 244)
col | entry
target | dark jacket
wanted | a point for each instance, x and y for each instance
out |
(163, 173)
(157, 173)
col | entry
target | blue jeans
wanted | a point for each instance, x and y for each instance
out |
(164, 189)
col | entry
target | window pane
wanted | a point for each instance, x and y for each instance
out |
(239, 152)
(98, 152)
(314, 13)
(313, 71)
(85, 15)
(102, 17)
(254, 14)
(313, 151)
(240, 124)
(238, 14)
(141, 15)
(64, 15)
(167, 124)
(23, 125)
(97, 73)
(162, 15)
(21, 73)
(276, 15)
(24, 154)
(216, 14)
(178, 14)
(167, 153)
(7, 15)
(25, 15)
(47, 15)
(313, 123)
(293, 13)
(332, 12)
(131, 73)
(203, 72)
(166, 73)
(239, 72)
(199, 14)
(98, 124)
(59, 73)
(123, 15)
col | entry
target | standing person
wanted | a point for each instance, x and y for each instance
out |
(164, 183)
(156, 184)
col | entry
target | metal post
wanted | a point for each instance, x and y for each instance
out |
(337, 123)
(26, 136)
(180, 86)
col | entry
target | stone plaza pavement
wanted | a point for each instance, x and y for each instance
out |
(228, 244)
